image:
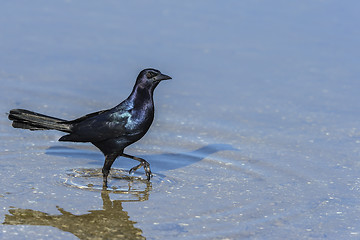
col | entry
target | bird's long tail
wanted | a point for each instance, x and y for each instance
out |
(35, 121)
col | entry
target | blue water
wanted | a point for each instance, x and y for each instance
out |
(256, 137)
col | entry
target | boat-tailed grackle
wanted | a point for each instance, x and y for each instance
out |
(109, 130)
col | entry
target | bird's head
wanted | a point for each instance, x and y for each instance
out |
(150, 78)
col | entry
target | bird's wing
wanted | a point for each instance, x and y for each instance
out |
(98, 126)
(90, 115)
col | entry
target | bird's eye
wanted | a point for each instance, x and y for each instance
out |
(150, 74)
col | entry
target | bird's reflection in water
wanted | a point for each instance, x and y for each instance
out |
(112, 222)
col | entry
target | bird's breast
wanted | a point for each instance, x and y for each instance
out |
(133, 121)
(140, 120)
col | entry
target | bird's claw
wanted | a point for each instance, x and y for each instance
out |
(146, 166)
(135, 168)
(148, 171)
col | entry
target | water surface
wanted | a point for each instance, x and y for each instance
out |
(256, 137)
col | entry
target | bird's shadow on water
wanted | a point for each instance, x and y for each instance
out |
(170, 161)
(162, 162)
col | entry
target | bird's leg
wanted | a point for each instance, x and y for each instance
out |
(109, 160)
(143, 163)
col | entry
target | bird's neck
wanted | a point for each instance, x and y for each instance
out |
(141, 96)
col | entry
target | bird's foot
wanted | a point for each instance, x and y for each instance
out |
(146, 166)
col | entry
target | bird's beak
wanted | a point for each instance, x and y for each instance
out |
(161, 77)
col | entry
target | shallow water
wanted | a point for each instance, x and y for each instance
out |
(257, 136)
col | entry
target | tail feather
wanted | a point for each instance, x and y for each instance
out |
(35, 121)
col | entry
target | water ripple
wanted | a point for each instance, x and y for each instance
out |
(119, 180)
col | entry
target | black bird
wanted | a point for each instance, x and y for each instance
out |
(109, 130)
